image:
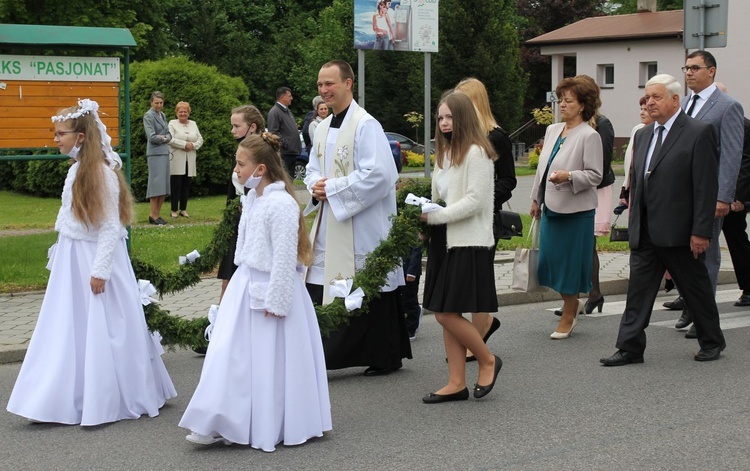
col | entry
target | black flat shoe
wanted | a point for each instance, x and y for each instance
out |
(558, 312)
(493, 327)
(709, 354)
(676, 305)
(743, 301)
(620, 358)
(433, 398)
(481, 391)
(152, 221)
(374, 371)
(591, 305)
(685, 320)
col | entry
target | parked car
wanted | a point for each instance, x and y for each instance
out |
(406, 143)
(303, 158)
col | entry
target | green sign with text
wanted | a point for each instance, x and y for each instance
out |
(60, 68)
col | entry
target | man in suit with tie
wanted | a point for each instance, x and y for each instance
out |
(709, 104)
(673, 191)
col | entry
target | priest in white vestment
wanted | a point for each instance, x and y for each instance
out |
(352, 176)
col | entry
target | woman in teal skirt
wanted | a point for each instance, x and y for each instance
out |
(564, 198)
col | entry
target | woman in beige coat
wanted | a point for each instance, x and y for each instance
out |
(186, 140)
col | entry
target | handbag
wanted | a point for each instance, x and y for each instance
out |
(507, 224)
(618, 234)
(525, 263)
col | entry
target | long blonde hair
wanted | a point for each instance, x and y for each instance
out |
(264, 149)
(89, 195)
(478, 95)
(467, 130)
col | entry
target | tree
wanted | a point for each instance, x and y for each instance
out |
(144, 18)
(479, 38)
(543, 16)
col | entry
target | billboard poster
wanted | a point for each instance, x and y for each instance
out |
(396, 25)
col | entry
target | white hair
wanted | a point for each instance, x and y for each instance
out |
(670, 83)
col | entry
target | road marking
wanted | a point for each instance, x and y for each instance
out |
(735, 318)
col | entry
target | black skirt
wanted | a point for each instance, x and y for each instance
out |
(458, 280)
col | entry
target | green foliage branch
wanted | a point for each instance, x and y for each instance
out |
(177, 331)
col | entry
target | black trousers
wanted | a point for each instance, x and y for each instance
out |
(180, 187)
(735, 232)
(647, 265)
(289, 160)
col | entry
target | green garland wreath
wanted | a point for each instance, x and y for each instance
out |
(178, 331)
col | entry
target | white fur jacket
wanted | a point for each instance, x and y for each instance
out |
(267, 241)
(107, 234)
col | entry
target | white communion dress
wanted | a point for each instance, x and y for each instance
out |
(91, 359)
(264, 378)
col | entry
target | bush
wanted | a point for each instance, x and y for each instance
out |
(416, 160)
(534, 158)
(211, 95)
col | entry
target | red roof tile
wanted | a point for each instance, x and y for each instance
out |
(664, 24)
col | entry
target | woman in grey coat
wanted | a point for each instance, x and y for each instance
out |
(157, 152)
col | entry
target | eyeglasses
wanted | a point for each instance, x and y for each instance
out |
(59, 134)
(694, 68)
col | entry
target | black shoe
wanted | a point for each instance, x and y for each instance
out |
(558, 312)
(160, 221)
(591, 305)
(743, 301)
(375, 371)
(621, 357)
(691, 333)
(668, 285)
(200, 350)
(676, 305)
(685, 320)
(433, 398)
(709, 354)
(481, 391)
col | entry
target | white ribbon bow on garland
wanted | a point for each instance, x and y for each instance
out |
(213, 311)
(427, 205)
(343, 289)
(189, 258)
(147, 290)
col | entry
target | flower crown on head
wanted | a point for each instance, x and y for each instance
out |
(87, 106)
(84, 107)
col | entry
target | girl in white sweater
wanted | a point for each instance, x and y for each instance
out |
(264, 378)
(460, 275)
(91, 359)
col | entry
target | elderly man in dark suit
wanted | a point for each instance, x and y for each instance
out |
(673, 200)
(709, 104)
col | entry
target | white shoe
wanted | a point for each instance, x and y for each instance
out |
(199, 439)
(564, 335)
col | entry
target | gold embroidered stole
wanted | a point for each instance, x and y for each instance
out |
(339, 246)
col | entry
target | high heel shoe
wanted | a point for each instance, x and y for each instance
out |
(564, 335)
(591, 305)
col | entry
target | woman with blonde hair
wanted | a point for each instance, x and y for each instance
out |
(504, 179)
(186, 140)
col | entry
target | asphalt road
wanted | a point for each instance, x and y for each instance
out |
(554, 407)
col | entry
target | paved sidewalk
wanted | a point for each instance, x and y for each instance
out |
(18, 312)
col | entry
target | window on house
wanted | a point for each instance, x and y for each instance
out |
(647, 70)
(606, 75)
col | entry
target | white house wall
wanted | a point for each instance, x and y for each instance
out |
(620, 102)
